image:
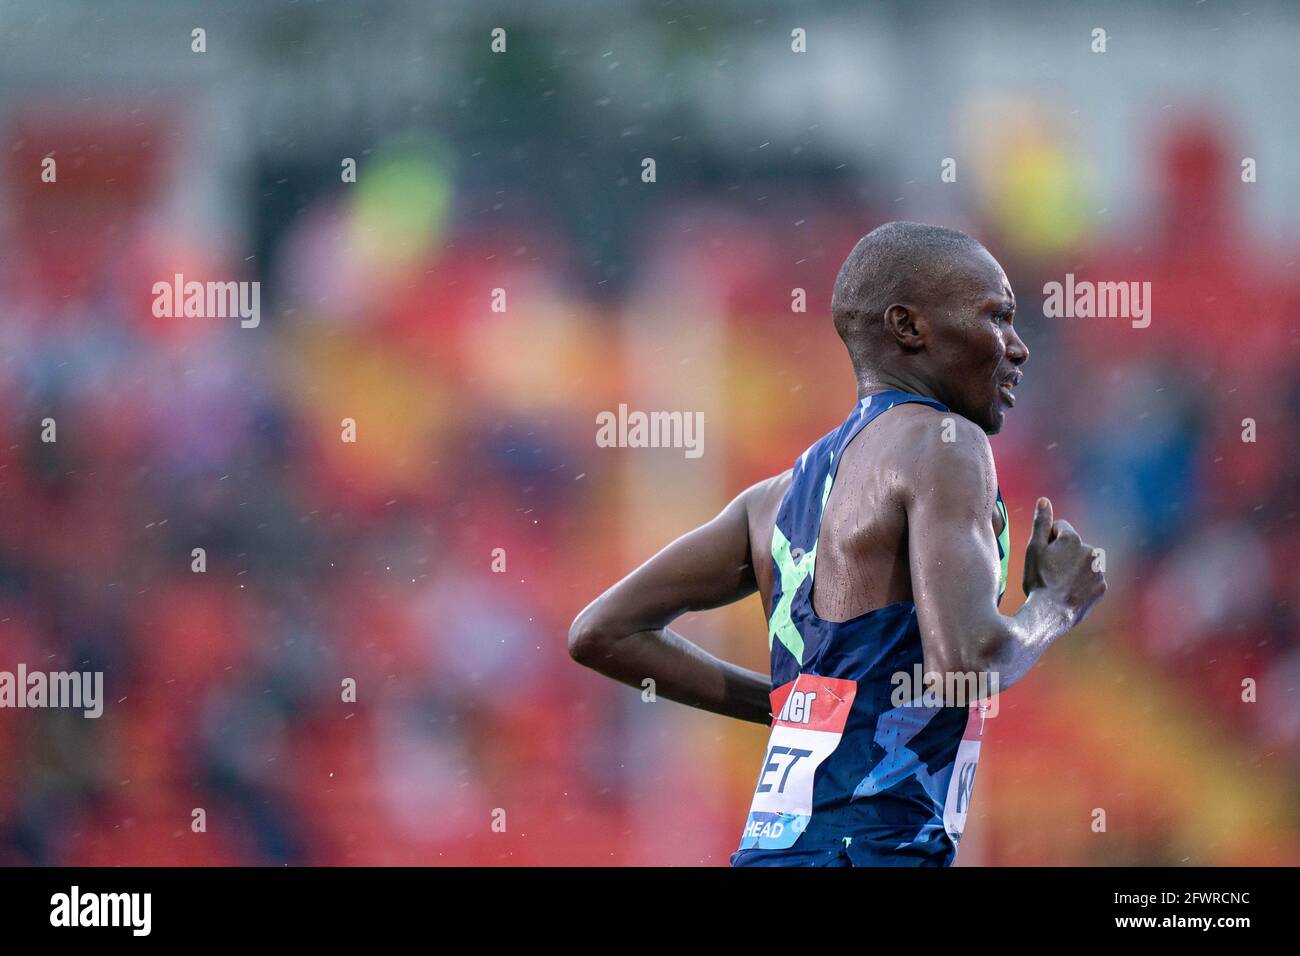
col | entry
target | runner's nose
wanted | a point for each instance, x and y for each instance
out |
(1017, 351)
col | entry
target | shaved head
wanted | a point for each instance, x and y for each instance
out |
(898, 263)
(927, 310)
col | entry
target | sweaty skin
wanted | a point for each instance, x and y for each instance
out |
(911, 515)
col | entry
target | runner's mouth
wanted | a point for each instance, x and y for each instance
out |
(1005, 390)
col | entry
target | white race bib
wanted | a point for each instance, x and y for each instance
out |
(811, 713)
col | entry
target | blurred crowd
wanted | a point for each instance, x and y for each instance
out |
(473, 739)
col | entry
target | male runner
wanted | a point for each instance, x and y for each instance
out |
(899, 515)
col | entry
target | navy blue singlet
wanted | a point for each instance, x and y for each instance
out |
(851, 777)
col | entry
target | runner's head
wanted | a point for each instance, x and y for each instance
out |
(928, 310)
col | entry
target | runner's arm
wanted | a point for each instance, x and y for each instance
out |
(954, 565)
(624, 633)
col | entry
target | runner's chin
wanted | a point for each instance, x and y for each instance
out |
(992, 421)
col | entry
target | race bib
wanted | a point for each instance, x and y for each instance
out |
(962, 783)
(811, 713)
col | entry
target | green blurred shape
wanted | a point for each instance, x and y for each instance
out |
(402, 201)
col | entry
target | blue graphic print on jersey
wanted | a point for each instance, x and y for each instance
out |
(847, 773)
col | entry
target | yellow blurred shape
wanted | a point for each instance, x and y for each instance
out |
(402, 414)
(1032, 182)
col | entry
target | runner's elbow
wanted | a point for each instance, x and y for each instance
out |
(986, 656)
(587, 637)
(976, 656)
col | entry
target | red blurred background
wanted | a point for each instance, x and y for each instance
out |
(476, 429)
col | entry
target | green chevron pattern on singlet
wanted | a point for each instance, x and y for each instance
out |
(781, 626)
(793, 572)
(1004, 545)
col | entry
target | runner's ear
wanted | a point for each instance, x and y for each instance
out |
(905, 325)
